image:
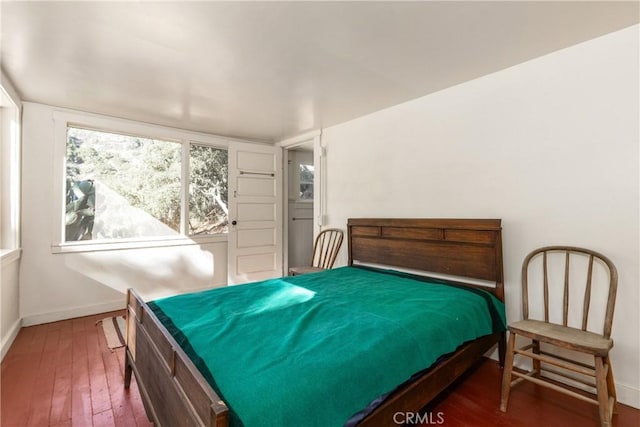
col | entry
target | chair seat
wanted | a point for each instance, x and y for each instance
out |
(293, 271)
(563, 336)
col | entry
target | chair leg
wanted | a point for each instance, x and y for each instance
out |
(506, 373)
(602, 388)
(128, 369)
(536, 363)
(502, 348)
(611, 386)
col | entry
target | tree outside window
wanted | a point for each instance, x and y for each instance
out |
(208, 196)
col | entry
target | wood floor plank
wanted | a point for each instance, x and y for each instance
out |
(65, 343)
(81, 412)
(104, 419)
(100, 399)
(120, 398)
(40, 408)
(61, 400)
(60, 412)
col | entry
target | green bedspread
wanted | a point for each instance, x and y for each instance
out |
(313, 350)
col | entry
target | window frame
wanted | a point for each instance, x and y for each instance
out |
(299, 159)
(11, 162)
(64, 119)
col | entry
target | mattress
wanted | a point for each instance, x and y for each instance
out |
(316, 349)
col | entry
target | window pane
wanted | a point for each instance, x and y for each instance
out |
(121, 186)
(10, 171)
(306, 182)
(208, 198)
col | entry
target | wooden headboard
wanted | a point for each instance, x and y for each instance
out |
(470, 248)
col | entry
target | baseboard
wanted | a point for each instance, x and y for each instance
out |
(11, 336)
(54, 316)
(628, 395)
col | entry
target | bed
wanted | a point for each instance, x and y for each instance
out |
(178, 391)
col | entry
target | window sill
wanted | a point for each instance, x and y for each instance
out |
(9, 255)
(93, 246)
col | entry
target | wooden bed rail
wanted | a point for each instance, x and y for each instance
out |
(172, 389)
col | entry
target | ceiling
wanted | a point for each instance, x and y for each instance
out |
(270, 70)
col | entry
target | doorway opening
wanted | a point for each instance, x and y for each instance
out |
(301, 172)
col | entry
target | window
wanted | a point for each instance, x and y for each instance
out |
(306, 182)
(121, 186)
(9, 174)
(301, 170)
(208, 211)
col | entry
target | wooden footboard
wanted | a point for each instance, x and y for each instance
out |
(172, 389)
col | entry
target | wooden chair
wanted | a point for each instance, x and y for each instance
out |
(325, 251)
(573, 345)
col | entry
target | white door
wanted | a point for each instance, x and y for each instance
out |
(255, 212)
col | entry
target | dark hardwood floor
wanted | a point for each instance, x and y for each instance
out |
(63, 374)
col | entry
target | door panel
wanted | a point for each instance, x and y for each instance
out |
(255, 186)
(300, 233)
(256, 161)
(258, 185)
(256, 212)
(252, 264)
(256, 237)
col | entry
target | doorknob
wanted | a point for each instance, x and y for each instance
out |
(234, 222)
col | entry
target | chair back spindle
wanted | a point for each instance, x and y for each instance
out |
(326, 248)
(587, 295)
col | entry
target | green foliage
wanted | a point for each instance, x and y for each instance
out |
(208, 195)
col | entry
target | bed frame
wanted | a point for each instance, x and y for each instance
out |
(176, 394)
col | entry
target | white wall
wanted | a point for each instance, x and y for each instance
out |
(64, 285)
(550, 146)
